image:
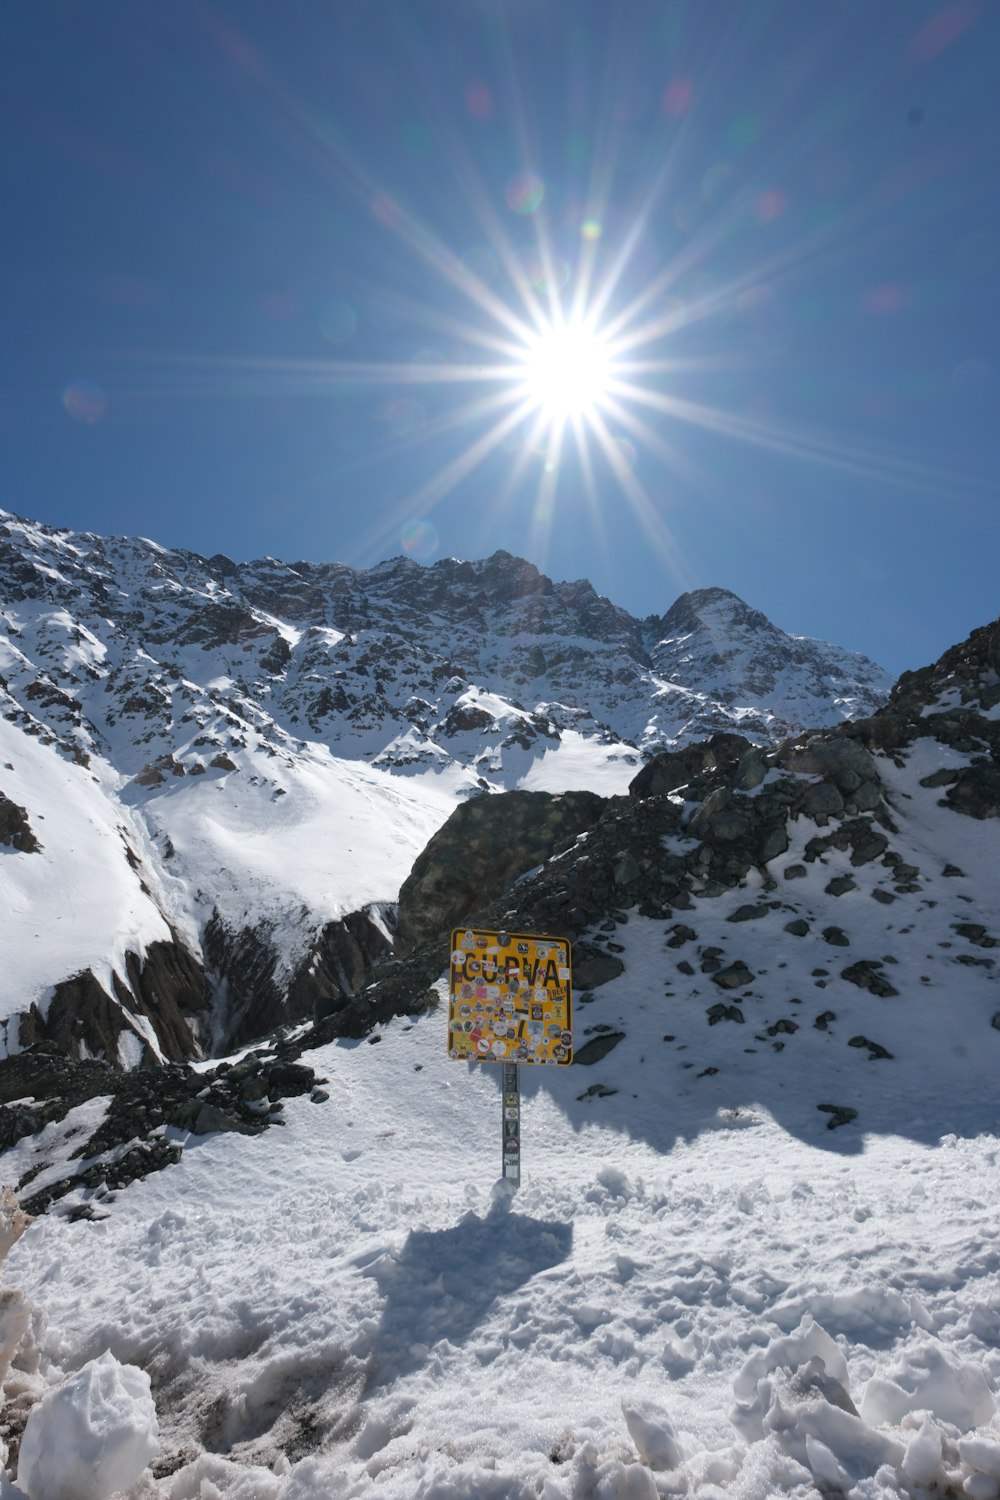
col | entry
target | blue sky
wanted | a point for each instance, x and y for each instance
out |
(271, 273)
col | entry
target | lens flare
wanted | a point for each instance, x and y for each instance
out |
(404, 417)
(525, 193)
(884, 300)
(627, 450)
(337, 321)
(85, 402)
(770, 206)
(545, 274)
(677, 97)
(479, 100)
(419, 539)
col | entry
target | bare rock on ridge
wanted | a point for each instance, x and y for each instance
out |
(482, 848)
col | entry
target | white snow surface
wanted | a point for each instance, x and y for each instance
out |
(699, 1289)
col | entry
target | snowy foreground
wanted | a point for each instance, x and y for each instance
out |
(705, 1303)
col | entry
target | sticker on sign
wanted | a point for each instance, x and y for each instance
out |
(523, 986)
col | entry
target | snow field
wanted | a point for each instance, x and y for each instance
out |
(354, 1284)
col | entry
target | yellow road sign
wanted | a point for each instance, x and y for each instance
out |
(510, 997)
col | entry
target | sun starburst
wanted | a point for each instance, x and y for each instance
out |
(568, 370)
(568, 355)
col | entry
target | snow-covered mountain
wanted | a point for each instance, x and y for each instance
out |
(753, 1251)
(226, 770)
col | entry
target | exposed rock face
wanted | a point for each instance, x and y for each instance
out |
(343, 959)
(401, 653)
(713, 654)
(15, 830)
(671, 769)
(484, 846)
(953, 702)
(251, 998)
(166, 991)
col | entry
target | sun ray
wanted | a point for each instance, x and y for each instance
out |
(669, 454)
(266, 375)
(543, 511)
(600, 302)
(581, 433)
(433, 490)
(652, 523)
(890, 469)
(471, 184)
(395, 216)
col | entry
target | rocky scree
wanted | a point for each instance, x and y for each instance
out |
(151, 1112)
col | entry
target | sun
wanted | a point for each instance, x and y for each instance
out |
(567, 370)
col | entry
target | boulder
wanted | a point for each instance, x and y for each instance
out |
(598, 1047)
(736, 977)
(834, 757)
(840, 1114)
(479, 853)
(976, 791)
(866, 975)
(593, 967)
(749, 912)
(720, 1012)
(671, 769)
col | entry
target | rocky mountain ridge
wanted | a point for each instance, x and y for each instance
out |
(214, 776)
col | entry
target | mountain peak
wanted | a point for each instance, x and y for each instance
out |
(712, 609)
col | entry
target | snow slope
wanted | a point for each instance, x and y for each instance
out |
(78, 901)
(364, 1314)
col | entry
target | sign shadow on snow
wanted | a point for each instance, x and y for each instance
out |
(443, 1282)
(831, 1102)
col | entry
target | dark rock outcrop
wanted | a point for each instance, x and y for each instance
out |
(251, 999)
(244, 1097)
(341, 962)
(484, 846)
(166, 988)
(674, 768)
(15, 830)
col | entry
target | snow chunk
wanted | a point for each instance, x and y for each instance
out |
(652, 1432)
(922, 1460)
(982, 1454)
(752, 1388)
(211, 1476)
(926, 1379)
(91, 1436)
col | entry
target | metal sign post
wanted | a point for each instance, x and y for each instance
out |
(511, 1123)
